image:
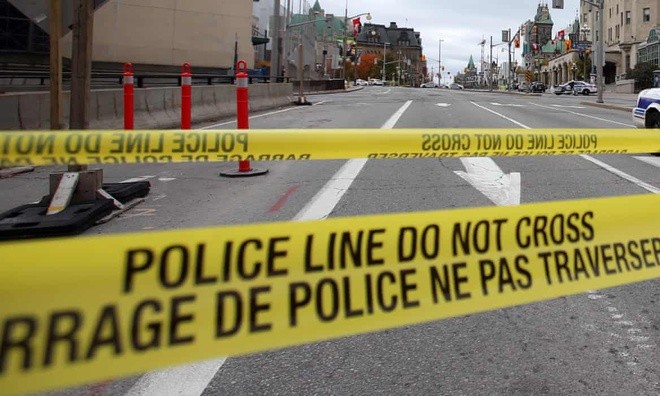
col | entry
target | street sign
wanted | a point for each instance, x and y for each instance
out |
(582, 45)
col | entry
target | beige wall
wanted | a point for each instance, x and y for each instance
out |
(171, 32)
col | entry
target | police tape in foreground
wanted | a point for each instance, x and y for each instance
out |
(128, 147)
(92, 308)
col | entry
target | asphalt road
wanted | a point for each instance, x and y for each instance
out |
(602, 342)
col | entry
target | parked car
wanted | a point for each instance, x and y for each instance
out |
(361, 82)
(455, 86)
(584, 88)
(429, 84)
(538, 86)
(375, 81)
(646, 113)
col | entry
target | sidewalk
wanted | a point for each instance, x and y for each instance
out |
(611, 100)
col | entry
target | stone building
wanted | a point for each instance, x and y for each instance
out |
(406, 45)
(627, 24)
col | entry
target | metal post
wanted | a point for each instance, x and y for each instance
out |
(343, 59)
(275, 46)
(55, 27)
(599, 49)
(81, 68)
(508, 72)
(384, 51)
(440, 62)
(490, 66)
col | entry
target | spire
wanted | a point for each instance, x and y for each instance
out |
(317, 6)
(470, 65)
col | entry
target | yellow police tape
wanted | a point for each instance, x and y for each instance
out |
(93, 308)
(128, 147)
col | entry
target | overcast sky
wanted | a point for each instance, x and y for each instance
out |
(461, 24)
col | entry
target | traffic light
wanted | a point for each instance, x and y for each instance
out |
(516, 42)
(558, 4)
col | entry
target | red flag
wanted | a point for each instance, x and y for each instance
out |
(560, 34)
(357, 26)
(535, 47)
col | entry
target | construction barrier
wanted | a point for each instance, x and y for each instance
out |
(243, 121)
(186, 96)
(129, 97)
(94, 308)
(112, 147)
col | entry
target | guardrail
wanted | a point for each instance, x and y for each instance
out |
(142, 80)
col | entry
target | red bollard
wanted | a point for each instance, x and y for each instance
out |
(186, 96)
(129, 107)
(242, 121)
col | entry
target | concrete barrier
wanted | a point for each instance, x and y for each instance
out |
(154, 107)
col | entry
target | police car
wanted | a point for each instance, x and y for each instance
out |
(647, 112)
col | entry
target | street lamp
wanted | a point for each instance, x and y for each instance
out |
(384, 51)
(440, 61)
(346, 17)
(574, 69)
(599, 55)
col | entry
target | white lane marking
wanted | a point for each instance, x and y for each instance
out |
(507, 104)
(501, 115)
(622, 174)
(568, 107)
(262, 115)
(484, 175)
(585, 115)
(329, 196)
(166, 179)
(137, 179)
(190, 379)
(443, 104)
(603, 165)
(655, 161)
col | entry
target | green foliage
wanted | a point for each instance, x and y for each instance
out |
(643, 75)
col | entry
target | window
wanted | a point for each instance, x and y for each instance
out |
(616, 34)
(646, 15)
(628, 17)
(609, 35)
(584, 18)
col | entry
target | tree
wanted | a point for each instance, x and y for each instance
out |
(368, 66)
(643, 75)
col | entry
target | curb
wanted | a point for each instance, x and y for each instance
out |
(608, 106)
(311, 93)
(11, 172)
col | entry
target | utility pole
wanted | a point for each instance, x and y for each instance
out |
(490, 66)
(440, 61)
(343, 47)
(55, 29)
(599, 50)
(508, 72)
(275, 46)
